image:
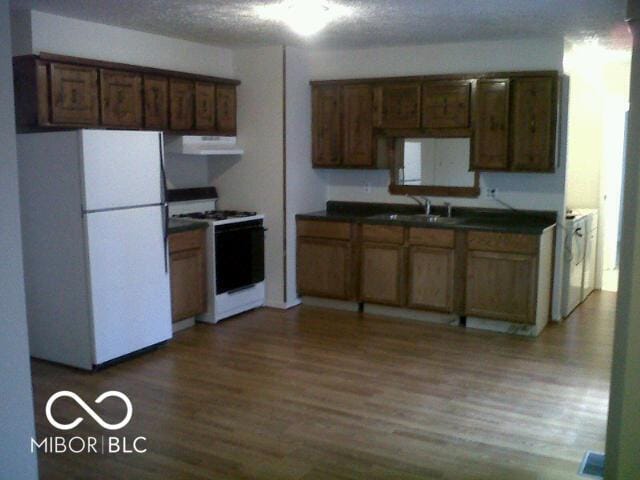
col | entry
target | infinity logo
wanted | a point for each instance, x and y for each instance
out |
(89, 410)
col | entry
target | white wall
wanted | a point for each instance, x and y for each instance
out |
(306, 187)
(521, 190)
(256, 181)
(68, 36)
(623, 431)
(16, 400)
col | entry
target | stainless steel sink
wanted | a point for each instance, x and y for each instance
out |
(416, 218)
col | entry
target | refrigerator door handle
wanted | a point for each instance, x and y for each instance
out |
(163, 172)
(165, 205)
(165, 230)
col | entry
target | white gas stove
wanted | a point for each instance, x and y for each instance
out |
(235, 243)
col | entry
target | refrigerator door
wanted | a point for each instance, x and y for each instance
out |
(121, 169)
(130, 291)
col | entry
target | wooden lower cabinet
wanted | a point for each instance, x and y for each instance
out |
(480, 274)
(188, 274)
(501, 286)
(431, 278)
(324, 268)
(509, 276)
(382, 273)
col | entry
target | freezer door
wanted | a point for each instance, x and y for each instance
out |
(121, 169)
(130, 292)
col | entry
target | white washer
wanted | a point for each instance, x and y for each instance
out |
(574, 261)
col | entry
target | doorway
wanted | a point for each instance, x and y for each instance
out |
(598, 108)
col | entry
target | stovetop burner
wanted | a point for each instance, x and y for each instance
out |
(216, 214)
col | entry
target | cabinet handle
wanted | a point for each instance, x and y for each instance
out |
(532, 125)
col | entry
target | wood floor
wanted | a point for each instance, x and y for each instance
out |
(313, 393)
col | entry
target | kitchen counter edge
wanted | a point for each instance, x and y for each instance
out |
(530, 227)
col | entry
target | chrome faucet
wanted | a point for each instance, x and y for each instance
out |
(449, 209)
(424, 203)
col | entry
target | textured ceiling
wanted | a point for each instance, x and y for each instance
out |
(375, 22)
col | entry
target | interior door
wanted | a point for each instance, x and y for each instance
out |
(121, 169)
(130, 289)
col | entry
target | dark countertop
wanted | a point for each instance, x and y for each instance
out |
(493, 220)
(177, 225)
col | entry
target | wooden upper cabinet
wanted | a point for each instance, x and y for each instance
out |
(205, 106)
(397, 105)
(446, 104)
(121, 99)
(533, 123)
(357, 126)
(54, 91)
(491, 120)
(156, 102)
(325, 126)
(74, 94)
(181, 99)
(226, 109)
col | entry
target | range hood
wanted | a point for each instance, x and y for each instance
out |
(201, 145)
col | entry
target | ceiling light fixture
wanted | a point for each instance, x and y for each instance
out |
(305, 17)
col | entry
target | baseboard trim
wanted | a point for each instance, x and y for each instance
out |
(504, 327)
(330, 303)
(183, 324)
(283, 305)
(411, 314)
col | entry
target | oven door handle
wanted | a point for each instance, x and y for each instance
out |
(243, 229)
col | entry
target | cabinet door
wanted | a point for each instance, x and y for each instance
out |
(398, 105)
(357, 105)
(491, 142)
(74, 94)
(205, 106)
(181, 94)
(121, 99)
(226, 109)
(382, 274)
(325, 126)
(446, 104)
(156, 102)
(431, 278)
(533, 124)
(501, 286)
(188, 283)
(324, 268)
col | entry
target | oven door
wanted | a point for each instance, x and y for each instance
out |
(239, 255)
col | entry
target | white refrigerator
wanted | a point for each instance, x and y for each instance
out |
(94, 227)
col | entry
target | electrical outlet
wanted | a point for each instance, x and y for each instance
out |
(367, 187)
(491, 192)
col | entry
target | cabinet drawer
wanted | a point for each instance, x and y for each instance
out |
(321, 229)
(503, 242)
(383, 234)
(432, 237)
(186, 240)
